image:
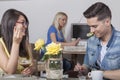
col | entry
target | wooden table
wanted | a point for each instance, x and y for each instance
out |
(74, 53)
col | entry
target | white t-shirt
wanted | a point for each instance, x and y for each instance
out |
(103, 52)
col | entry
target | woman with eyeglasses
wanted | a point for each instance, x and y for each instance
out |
(14, 43)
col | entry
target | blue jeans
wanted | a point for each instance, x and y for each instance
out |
(66, 65)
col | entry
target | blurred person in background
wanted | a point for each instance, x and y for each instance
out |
(56, 34)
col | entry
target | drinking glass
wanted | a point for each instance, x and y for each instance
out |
(25, 62)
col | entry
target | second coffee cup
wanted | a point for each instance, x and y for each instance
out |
(96, 75)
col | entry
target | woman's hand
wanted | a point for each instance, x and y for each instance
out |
(28, 71)
(18, 33)
(74, 43)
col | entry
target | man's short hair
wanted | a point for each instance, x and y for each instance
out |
(99, 10)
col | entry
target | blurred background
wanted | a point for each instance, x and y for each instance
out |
(41, 13)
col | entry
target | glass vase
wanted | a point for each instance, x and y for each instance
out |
(54, 68)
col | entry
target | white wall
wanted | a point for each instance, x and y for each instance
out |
(41, 13)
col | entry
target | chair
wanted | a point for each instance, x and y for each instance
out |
(36, 54)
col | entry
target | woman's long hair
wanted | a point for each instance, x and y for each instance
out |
(8, 22)
(56, 24)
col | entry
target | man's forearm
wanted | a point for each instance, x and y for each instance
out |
(112, 74)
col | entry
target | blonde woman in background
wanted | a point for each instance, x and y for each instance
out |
(14, 43)
(55, 34)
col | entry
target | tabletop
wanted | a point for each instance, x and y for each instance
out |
(74, 50)
(21, 77)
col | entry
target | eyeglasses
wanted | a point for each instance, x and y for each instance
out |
(23, 23)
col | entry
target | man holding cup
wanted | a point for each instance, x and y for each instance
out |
(103, 48)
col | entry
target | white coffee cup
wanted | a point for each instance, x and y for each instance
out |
(96, 75)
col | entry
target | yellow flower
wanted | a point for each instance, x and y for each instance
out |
(53, 49)
(90, 34)
(39, 44)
